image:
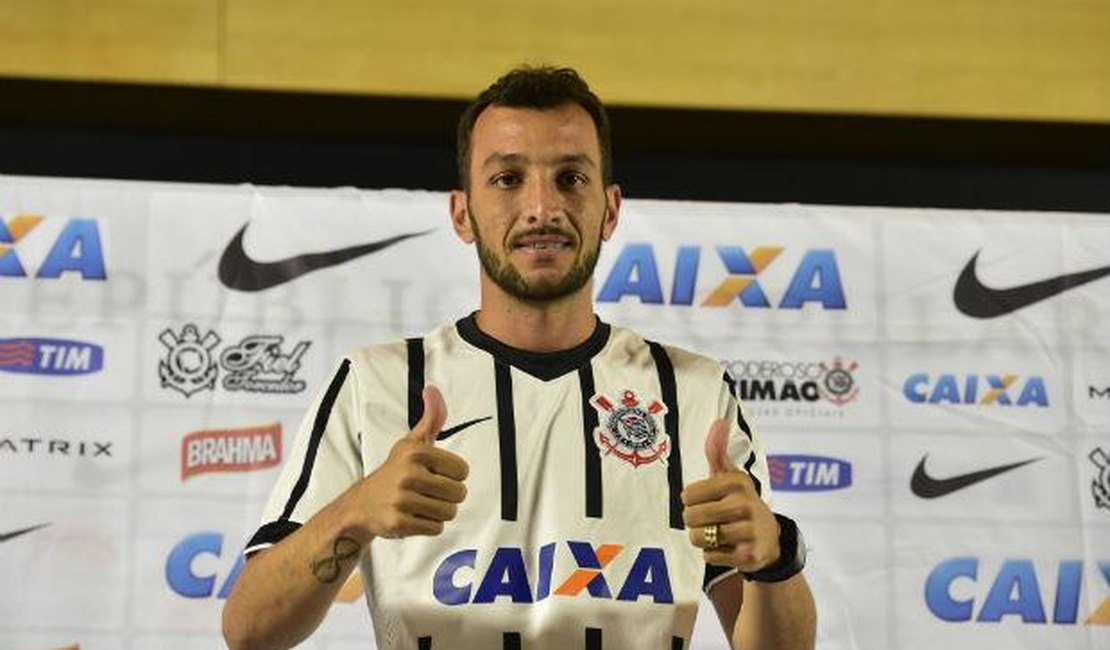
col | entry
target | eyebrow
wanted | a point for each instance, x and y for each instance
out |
(497, 158)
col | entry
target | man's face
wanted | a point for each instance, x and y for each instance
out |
(537, 207)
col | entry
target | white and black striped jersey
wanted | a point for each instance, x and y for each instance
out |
(571, 535)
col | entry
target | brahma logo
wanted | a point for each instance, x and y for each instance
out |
(506, 576)
(230, 450)
(816, 278)
(983, 390)
(39, 356)
(76, 249)
(800, 473)
(183, 579)
(1015, 591)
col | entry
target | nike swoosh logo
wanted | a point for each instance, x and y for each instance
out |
(447, 433)
(238, 271)
(4, 537)
(978, 301)
(928, 487)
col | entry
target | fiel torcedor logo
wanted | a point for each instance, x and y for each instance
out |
(968, 590)
(76, 249)
(815, 279)
(49, 356)
(1004, 389)
(256, 364)
(230, 450)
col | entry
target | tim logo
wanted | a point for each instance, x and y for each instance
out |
(796, 473)
(815, 279)
(983, 390)
(461, 579)
(76, 249)
(230, 450)
(36, 356)
(961, 590)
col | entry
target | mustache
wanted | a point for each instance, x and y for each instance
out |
(546, 229)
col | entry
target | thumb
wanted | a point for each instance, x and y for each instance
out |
(716, 449)
(435, 414)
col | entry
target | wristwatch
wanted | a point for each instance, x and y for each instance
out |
(792, 554)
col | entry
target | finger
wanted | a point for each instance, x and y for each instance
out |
(438, 487)
(707, 490)
(418, 505)
(413, 525)
(435, 414)
(716, 512)
(443, 462)
(716, 449)
(728, 535)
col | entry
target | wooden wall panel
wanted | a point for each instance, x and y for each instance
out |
(155, 41)
(1023, 59)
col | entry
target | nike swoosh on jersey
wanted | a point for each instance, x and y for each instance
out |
(928, 487)
(978, 301)
(4, 537)
(447, 433)
(238, 271)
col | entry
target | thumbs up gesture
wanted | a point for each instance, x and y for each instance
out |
(725, 516)
(419, 486)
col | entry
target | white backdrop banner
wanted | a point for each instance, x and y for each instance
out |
(933, 388)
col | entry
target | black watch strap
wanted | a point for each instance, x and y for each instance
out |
(792, 554)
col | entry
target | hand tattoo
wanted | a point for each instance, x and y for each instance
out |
(328, 569)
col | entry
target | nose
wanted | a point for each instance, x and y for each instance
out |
(543, 203)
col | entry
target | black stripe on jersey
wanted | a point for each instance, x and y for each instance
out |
(593, 638)
(677, 643)
(272, 533)
(424, 643)
(669, 389)
(318, 427)
(510, 640)
(740, 421)
(593, 454)
(416, 380)
(506, 429)
(748, 468)
(712, 572)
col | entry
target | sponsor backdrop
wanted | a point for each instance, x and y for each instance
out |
(932, 386)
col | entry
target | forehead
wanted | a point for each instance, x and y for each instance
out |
(534, 133)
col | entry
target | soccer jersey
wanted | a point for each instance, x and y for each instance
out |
(571, 534)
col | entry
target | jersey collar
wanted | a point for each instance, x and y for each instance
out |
(542, 365)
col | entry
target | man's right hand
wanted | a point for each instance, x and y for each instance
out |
(418, 488)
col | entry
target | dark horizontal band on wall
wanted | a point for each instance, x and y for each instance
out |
(431, 121)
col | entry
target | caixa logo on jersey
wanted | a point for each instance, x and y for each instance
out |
(975, 389)
(814, 278)
(75, 249)
(966, 590)
(801, 473)
(258, 363)
(45, 356)
(470, 577)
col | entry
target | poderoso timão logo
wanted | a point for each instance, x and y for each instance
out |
(256, 364)
(635, 273)
(230, 450)
(975, 389)
(786, 388)
(47, 356)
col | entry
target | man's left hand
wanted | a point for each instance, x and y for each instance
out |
(747, 531)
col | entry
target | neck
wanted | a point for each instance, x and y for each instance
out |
(537, 327)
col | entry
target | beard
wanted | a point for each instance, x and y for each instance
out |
(508, 278)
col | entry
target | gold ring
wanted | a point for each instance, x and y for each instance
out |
(711, 541)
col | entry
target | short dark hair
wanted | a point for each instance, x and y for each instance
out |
(540, 87)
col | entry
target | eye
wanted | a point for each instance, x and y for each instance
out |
(505, 180)
(573, 178)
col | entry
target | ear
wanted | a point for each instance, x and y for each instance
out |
(612, 211)
(460, 217)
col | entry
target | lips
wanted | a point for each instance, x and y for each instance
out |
(542, 242)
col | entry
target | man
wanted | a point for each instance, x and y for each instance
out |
(590, 483)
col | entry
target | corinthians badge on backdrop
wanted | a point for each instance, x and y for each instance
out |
(1100, 485)
(188, 366)
(629, 428)
(255, 364)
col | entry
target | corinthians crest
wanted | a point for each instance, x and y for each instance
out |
(630, 429)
